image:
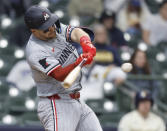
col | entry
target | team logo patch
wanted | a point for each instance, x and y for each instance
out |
(44, 63)
(46, 16)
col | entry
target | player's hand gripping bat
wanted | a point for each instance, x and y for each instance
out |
(72, 76)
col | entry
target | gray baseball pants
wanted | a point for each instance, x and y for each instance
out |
(66, 114)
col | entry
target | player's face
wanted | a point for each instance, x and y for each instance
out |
(101, 35)
(144, 107)
(48, 34)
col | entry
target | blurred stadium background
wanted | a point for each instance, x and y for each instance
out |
(18, 101)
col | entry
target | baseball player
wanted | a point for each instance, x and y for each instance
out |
(51, 57)
(142, 119)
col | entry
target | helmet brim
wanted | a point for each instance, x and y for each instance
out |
(49, 23)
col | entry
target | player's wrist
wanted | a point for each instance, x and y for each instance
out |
(87, 56)
(78, 60)
(85, 40)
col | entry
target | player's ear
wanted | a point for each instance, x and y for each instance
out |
(33, 30)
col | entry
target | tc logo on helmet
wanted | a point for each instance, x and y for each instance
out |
(46, 16)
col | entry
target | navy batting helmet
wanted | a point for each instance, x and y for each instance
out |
(142, 96)
(37, 17)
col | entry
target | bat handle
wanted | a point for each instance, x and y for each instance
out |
(82, 62)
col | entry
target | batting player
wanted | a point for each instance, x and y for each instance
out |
(142, 119)
(51, 57)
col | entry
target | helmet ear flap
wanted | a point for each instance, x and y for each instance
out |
(58, 26)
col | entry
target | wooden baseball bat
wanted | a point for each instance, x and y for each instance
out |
(72, 76)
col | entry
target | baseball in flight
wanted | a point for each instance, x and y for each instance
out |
(126, 67)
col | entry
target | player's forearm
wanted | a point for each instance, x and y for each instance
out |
(61, 73)
(76, 35)
(80, 36)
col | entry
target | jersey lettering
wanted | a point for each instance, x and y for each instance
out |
(65, 54)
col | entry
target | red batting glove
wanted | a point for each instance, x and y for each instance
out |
(87, 56)
(87, 46)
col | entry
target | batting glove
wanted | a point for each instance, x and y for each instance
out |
(87, 46)
(87, 56)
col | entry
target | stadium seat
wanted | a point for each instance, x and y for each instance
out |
(9, 50)
(109, 93)
(96, 105)
(30, 118)
(152, 5)
(111, 119)
(100, 106)
(32, 93)
(4, 94)
(123, 98)
(152, 52)
(4, 88)
(9, 119)
(16, 105)
(134, 41)
(162, 46)
(8, 62)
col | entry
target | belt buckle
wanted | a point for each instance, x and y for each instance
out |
(76, 95)
(56, 97)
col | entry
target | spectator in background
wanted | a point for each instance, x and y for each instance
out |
(155, 28)
(85, 7)
(14, 8)
(140, 63)
(108, 19)
(6, 8)
(20, 34)
(18, 31)
(85, 10)
(105, 54)
(20, 76)
(105, 67)
(132, 15)
(142, 119)
(114, 5)
(141, 67)
(20, 6)
(107, 60)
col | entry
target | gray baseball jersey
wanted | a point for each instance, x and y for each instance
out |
(65, 113)
(45, 56)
